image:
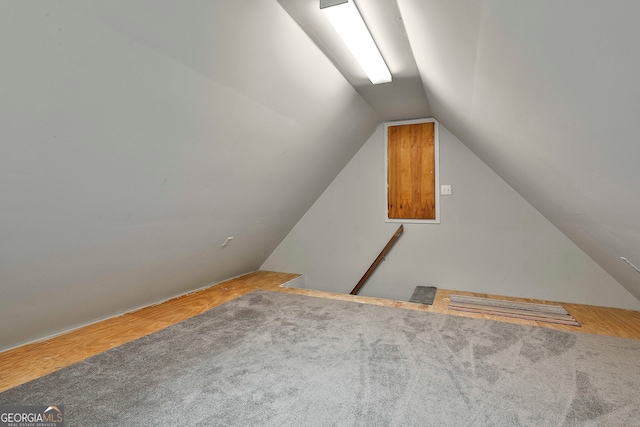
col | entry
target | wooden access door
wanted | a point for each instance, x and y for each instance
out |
(411, 171)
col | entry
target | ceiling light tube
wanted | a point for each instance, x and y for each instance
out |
(346, 19)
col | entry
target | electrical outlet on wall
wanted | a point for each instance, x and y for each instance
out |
(445, 190)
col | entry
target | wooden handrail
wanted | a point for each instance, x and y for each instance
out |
(378, 260)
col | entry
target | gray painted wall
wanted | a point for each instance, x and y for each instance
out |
(546, 93)
(137, 136)
(489, 239)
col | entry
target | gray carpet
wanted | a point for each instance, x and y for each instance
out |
(277, 359)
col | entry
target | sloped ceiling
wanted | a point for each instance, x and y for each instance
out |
(404, 97)
(545, 92)
(136, 136)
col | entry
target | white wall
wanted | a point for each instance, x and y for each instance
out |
(490, 239)
(546, 93)
(135, 136)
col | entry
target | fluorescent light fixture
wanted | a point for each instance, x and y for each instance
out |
(346, 19)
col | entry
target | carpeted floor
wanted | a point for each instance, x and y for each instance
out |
(277, 359)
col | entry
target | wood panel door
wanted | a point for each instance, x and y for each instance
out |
(411, 174)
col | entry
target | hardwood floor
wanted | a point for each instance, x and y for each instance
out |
(31, 361)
